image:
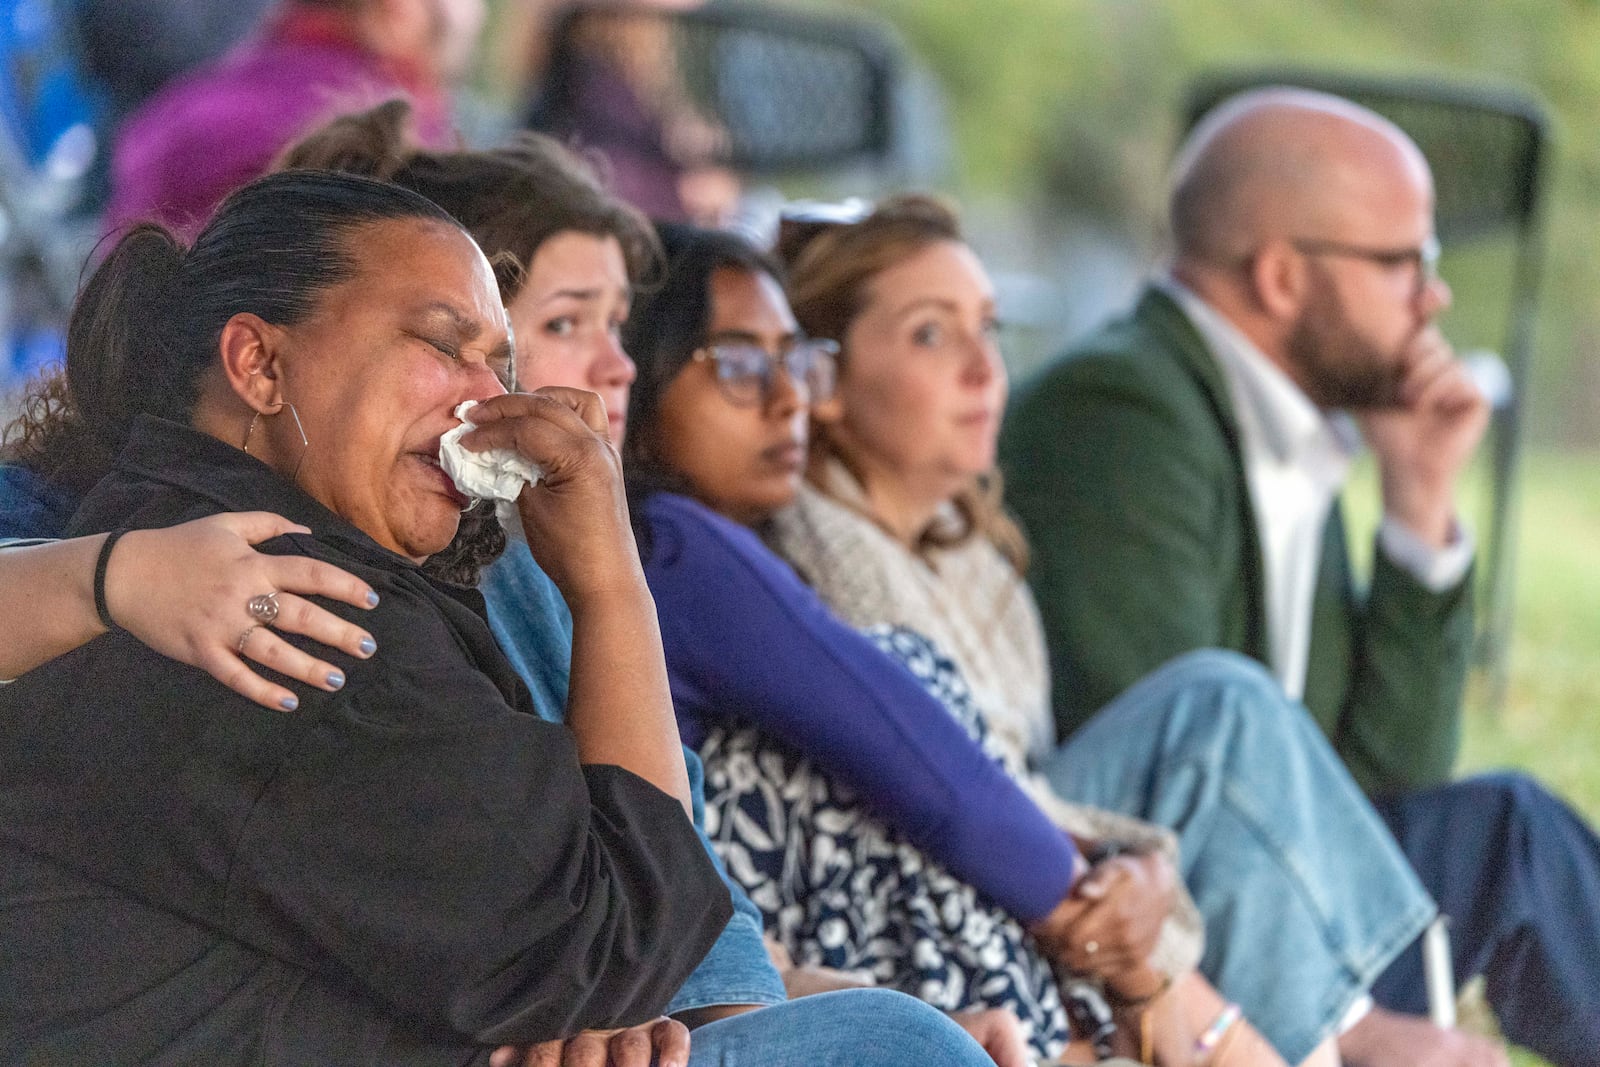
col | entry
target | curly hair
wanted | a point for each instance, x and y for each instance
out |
(511, 199)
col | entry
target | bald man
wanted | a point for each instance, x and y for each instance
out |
(1179, 475)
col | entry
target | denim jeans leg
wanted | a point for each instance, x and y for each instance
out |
(1305, 895)
(850, 1028)
(1518, 873)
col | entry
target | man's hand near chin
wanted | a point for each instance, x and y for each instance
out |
(1422, 444)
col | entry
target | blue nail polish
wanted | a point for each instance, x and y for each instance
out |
(367, 646)
(372, 599)
(335, 680)
(289, 703)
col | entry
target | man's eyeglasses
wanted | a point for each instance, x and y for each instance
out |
(1424, 259)
(745, 371)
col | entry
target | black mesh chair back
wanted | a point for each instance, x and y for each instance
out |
(1486, 146)
(748, 86)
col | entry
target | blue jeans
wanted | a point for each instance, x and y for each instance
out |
(850, 1028)
(1519, 875)
(1305, 895)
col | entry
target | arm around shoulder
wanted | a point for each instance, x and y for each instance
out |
(411, 836)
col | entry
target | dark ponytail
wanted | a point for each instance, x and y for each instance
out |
(145, 327)
(119, 361)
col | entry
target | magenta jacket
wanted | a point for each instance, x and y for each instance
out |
(219, 126)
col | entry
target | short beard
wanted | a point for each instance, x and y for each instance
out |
(1339, 369)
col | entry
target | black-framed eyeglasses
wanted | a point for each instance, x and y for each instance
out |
(1423, 259)
(745, 371)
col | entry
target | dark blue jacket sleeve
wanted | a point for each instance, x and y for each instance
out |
(747, 640)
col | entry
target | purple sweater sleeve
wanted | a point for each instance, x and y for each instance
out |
(746, 639)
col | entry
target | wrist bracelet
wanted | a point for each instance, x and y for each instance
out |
(1117, 1000)
(100, 564)
(1208, 1041)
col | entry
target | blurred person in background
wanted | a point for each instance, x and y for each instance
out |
(1179, 475)
(132, 48)
(219, 126)
(610, 81)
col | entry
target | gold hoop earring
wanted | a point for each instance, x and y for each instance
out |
(305, 445)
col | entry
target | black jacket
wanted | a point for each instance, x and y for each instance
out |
(410, 870)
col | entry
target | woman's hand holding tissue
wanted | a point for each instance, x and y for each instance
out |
(619, 706)
(576, 516)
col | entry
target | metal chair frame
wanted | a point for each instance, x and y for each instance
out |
(714, 84)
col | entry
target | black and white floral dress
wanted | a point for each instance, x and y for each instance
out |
(840, 889)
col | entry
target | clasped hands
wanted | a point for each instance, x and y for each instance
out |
(1108, 923)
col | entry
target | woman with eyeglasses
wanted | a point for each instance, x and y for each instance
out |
(891, 840)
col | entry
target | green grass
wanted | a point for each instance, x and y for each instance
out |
(1549, 724)
(1550, 721)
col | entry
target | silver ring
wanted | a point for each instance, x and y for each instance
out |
(245, 637)
(263, 608)
(1091, 947)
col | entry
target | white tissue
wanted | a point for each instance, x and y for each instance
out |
(498, 474)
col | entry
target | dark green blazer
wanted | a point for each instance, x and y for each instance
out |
(1123, 462)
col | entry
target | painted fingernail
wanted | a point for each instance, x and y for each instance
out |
(335, 680)
(372, 599)
(367, 646)
(289, 703)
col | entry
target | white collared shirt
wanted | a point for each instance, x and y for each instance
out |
(1297, 458)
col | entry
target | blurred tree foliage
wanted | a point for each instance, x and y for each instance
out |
(1070, 107)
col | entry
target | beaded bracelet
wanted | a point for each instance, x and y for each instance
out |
(100, 564)
(1207, 1042)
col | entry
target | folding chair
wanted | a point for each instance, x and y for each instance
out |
(768, 89)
